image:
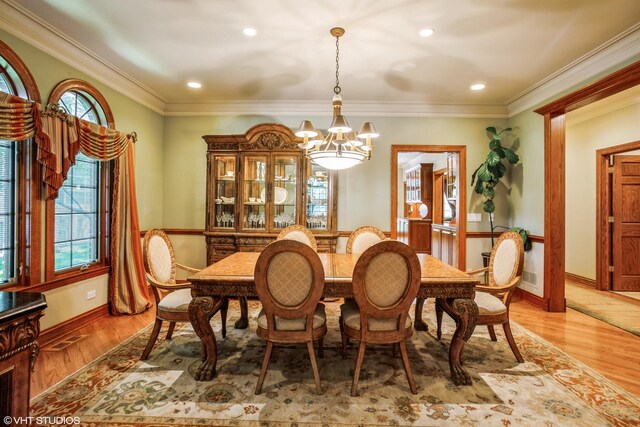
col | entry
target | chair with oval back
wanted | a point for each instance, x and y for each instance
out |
(505, 273)
(172, 299)
(386, 280)
(362, 238)
(289, 279)
(300, 234)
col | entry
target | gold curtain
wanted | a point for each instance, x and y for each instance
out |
(59, 137)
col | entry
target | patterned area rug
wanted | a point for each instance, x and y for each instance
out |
(549, 389)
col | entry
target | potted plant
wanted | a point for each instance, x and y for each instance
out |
(488, 174)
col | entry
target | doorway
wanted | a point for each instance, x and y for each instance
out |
(554, 178)
(460, 225)
(616, 240)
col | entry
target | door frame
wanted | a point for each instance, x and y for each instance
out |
(554, 174)
(461, 222)
(603, 208)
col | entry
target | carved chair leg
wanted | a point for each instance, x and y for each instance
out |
(265, 365)
(492, 333)
(223, 316)
(512, 343)
(152, 339)
(439, 313)
(407, 367)
(314, 366)
(172, 327)
(356, 372)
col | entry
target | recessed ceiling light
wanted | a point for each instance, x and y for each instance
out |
(249, 31)
(194, 85)
(426, 32)
(477, 86)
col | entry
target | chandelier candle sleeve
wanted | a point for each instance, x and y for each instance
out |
(342, 148)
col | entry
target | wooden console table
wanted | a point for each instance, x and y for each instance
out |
(20, 314)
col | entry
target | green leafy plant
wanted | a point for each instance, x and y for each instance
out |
(488, 174)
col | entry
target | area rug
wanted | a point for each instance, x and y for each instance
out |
(549, 389)
(600, 305)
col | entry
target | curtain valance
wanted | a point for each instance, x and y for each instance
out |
(58, 136)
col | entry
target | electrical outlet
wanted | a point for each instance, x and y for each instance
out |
(474, 217)
(91, 294)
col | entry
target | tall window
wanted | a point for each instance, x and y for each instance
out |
(81, 210)
(12, 213)
(8, 187)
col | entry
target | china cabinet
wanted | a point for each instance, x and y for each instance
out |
(258, 183)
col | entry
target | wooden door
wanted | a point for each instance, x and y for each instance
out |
(626, 223)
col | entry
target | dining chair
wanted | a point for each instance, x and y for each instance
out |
(172, 298)
(289, 279)
(505, 272)
(386, 279)
(300, 234)
(363, 237)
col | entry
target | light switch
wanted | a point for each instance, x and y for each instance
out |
(474, 217)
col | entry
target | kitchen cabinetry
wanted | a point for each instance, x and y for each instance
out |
(418, 192)
(444, 243)
(259, 183)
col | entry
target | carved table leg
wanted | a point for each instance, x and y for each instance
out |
(243, 321)
(465, 314)
(201, 309)
(420, 324)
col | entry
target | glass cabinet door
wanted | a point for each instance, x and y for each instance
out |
(225, 191)
(317, 205)
(254, 192)
(284, 194)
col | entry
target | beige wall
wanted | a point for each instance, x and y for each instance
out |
(587, 132)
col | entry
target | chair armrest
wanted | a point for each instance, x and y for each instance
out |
(477, 271)
(166, 286)
(187, 268)
(499, 290)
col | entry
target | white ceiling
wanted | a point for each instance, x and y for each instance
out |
(151, 48)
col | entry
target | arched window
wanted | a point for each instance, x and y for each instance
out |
(18, 190)
(78, 219)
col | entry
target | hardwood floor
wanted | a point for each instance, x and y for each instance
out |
(98, 337)
(609, 350)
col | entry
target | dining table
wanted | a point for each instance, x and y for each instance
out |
(233, 276)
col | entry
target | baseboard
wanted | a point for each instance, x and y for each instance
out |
(58, 331)
(574, 278)
(530, 298)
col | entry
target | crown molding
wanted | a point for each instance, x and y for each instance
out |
(605, 106)
(613, 53)
(321, 108)
(21, 23)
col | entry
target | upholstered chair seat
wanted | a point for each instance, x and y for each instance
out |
(319, 319)
(176, 301)
(350, 315)
(488, 304)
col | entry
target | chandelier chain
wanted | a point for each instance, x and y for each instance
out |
(337, 89)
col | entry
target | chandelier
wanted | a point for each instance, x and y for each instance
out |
(341, 148)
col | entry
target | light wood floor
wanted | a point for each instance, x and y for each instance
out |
(609, 350)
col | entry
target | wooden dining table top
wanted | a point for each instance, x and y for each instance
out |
(338, 268)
